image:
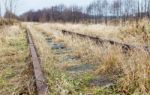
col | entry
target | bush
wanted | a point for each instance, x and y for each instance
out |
(8, 22)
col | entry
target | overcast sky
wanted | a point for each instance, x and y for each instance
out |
(25, 5)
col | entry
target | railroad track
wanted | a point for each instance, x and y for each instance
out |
(100, 41)
(41, 87)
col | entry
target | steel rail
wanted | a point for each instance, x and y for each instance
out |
(125, 47)
(41, 86)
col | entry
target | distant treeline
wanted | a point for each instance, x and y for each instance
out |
(97, 11)
(56, 13)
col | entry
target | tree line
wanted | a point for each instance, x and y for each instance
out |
(10, 7)
(97, 11)
(56, 13)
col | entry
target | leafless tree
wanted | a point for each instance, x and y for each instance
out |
(0, 8)
(105, 6)
(116, 8)
(98, 11)
(148, 9)
(10, 7)
(93, 9)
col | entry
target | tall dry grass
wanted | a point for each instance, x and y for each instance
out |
(131, 69)
(8, 22)
(132, 33)
(14, 77)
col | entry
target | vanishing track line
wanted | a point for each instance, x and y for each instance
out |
(41, 86)
(100, 41)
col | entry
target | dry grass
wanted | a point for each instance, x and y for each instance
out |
(13, 69)
(8, 22)
(99, 30)
(57, 81)
(137, 34)
(132, 69)
(128, 33)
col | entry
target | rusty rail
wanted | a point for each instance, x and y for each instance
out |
(41, 86)
(98, 40)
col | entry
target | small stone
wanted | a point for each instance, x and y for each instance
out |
(57, 46)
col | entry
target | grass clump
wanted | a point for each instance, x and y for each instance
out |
(138, 34)
(132, 71)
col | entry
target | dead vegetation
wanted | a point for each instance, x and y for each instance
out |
(129, 71)
(15, 76)
(93, 69)
(130, 33)
(8, 22)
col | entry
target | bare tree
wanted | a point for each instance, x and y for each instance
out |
(10, 7)
(0, 8)
(105, 6)
(98, 11)
(148, 9)
(147, 6)
(94, 10)
(115, 7)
